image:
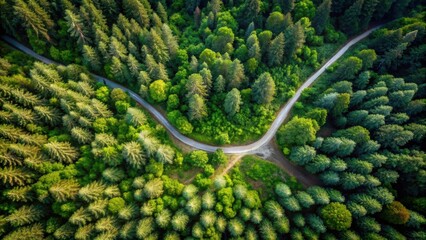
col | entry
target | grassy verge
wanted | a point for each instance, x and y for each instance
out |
(263, 175)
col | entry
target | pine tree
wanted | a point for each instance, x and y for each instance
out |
(162, 12)
(254, 47)
(83, 136)
(163, 218)
(134, 155)
(274, 210)
(264, 89)
(128, 212)
(135, 117)
(34, 231)
(61, 151)
(322, 16)
(76, 28)
(158, 48)
(64, 190)
(367, 11)
(349, 22)
(236, 74)
(169, 40)
(153, 188)
(251, 10)
(195, 86)
(207, 78)
(165, 154)
(117, 49)
(197, 108)
(179, 221)
(85, 232)
(295, 38)
(20, 194)
(136, 10)
(27, 99)
(133, 66)
(119, 71)
(113, 174)
(31, 19)
(276, 51)
(193, 206)
(80, 217)
(232, 102)
(98, 208)
(235, 227)
(91, 191)
(25, 215)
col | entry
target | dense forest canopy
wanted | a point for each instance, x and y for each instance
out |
(221, 69)
(79, 160)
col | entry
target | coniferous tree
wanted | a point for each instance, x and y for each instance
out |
(264, 89)
(349, 21)
(169, 40)
(295, 38)
(34, 19)
(25, 215)
(236, 74)
(368, 8)
(134, 155)
(61, 151)
(251, 10)
(232, 102)
(136, 10)
(196, 86)
(76, 28)
(92, 191)
(64, 190)
(322, 16)
(276, 51)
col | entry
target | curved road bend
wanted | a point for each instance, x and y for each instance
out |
(282, 115)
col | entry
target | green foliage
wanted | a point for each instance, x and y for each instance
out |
(158, 90)
(303, 127)
(336, 216)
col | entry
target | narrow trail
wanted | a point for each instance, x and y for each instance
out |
(252, 148)
(231, 163)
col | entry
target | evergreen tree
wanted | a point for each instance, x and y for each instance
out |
(236, 74)
(251, 10)
(195, 85)
(169, 39)
(64, 190)
(76, 28)
(276, 51)
(134, 155)
(25, 215)
(61, 151)
(264, 89)
(368, 8)
(158, 48)
(91, 192)
(232, 102)
(349, 21)
(136, 10)
(322, 16)
(295, 38)
(32, 19)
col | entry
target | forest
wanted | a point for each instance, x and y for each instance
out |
(81, 160)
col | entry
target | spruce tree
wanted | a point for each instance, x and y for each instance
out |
(322, 16)
(232, 102)
(276, 51)
(264, 89)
